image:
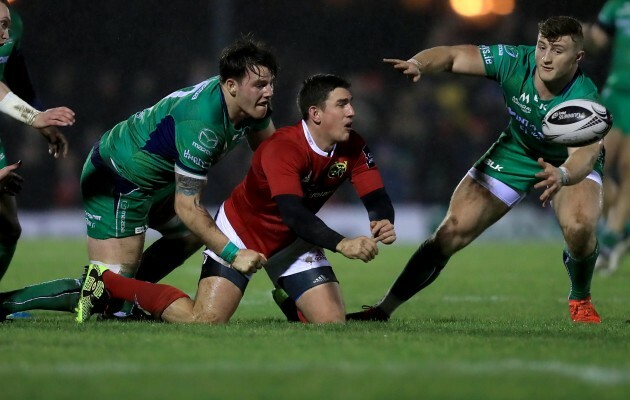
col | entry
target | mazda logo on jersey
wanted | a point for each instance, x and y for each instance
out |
(338, 169)
(208, 139)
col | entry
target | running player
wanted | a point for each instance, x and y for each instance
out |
(149, 172)
(614, 25)
(533, 79)
(273, 211)
(16, 97)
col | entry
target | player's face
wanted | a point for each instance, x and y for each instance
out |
(5, 22)
(557, 61)
(336, 118)
(254, 92)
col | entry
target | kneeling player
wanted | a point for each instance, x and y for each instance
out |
(272, 211)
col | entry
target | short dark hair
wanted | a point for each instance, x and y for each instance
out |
(316, 89)
(553, 28)
(245, 54)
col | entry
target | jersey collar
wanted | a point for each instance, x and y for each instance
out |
(311, 142)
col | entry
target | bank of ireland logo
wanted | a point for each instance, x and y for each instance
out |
(338, 169)
(208, 139)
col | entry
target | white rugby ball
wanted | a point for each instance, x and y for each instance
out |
(576, 123)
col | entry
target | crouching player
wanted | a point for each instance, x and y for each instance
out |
(273, 211)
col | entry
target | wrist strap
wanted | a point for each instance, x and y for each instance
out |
(229, 252)
(417, 63)
(564, 175)
(17, 108)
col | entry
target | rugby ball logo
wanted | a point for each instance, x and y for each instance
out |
(576, 123)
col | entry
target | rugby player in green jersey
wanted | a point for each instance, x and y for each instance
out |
(533, 80)
(613, 29)
(149, 171)
(16, 97)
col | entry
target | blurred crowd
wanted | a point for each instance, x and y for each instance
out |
(107, 60)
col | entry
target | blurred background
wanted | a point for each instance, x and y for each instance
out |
(109, 59)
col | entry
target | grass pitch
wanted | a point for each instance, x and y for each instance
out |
(495, 325)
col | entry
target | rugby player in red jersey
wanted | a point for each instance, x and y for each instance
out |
(272, 211)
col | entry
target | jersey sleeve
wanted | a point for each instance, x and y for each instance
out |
(283, 173)
(501, 60)
(365, 176)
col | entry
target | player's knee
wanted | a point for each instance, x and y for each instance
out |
(329, 320)
(450, 237)
(211, 317)
(331, 315)
(580, 236)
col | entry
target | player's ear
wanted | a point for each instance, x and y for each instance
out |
(580, 56)
(314, 114)
(230, 84)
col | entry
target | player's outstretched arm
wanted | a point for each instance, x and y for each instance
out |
(58, 116)
(463, 59)
(17, 108)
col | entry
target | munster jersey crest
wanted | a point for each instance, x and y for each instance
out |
(338, 169)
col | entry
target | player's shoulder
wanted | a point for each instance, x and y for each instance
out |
(283, 140)
(202, 102)
(582, 88)
(290, 133)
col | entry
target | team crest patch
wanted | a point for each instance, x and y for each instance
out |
(338, 169)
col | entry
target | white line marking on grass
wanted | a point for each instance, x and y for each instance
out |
(587, 373)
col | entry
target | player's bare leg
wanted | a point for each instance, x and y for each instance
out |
(216, 300)
(472, 210)
(323, 304)
(578, 209)
(123, 252)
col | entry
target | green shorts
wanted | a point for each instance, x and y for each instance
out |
(510, 163)
(618, 103)
(117, 208)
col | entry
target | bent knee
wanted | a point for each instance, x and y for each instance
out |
(336, 318)
(211, 318)
(577, 232)
(451, 237)
(580, 239)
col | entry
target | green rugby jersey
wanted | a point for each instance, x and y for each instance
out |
(614, 18)
(513, 67)
(14, 41)
(186, 132)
